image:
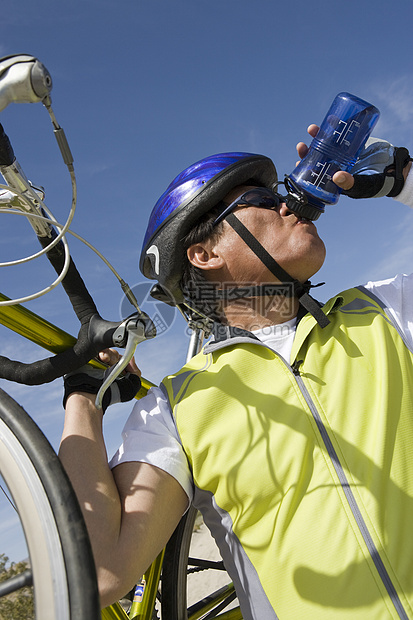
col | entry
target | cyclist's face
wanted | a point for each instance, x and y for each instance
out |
(293, 242)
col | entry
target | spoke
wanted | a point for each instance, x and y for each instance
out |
(7, 496)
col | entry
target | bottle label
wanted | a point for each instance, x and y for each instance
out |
(345, 132)
(139, 591)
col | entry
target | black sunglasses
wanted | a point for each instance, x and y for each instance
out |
(257, 197)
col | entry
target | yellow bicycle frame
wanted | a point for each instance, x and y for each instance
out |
(45, 334)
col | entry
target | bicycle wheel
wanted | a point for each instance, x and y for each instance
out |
(186, 593)
(61, 566)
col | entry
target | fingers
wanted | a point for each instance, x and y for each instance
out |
(111, 357)
(343, 179)
(132, 368)
(302, 148)
(313, 130)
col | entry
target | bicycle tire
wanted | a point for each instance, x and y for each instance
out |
(60, 556)
(176, 587)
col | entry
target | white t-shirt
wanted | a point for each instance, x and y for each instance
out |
(150, 435)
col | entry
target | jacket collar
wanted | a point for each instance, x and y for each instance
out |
(227, 335)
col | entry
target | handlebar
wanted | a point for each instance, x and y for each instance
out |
(95, 333)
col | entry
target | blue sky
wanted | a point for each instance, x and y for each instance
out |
(143, 88)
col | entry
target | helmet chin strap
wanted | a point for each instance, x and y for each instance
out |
(294, 288)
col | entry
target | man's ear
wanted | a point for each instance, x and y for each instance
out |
(203, 256)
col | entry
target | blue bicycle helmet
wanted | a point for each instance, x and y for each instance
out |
(194, 192)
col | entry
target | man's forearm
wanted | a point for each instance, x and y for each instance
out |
(83, 454)
(130, 514)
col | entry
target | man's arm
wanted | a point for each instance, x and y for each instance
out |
(130, 512)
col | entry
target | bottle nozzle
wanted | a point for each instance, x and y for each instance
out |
(297, 202)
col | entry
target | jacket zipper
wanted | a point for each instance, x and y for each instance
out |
(381, 569)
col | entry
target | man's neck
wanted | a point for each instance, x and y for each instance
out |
(258, 312)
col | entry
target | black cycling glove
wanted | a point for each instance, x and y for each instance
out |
(89, 379)
(378, 170)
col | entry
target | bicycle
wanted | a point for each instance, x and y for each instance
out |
(37, 485)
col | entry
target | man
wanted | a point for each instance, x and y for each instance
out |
(291, 432)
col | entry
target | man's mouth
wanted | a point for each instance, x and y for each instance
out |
(302, 220)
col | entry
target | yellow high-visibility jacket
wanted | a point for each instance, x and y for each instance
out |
(303, 468)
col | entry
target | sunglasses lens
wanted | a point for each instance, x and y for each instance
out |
(261, 198)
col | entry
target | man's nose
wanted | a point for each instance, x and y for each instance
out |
(283, 210)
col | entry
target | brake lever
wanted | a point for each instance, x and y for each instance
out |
(129, 334)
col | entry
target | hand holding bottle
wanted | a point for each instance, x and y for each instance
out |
(380, 170)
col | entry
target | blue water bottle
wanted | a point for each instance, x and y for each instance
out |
(342, 135)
